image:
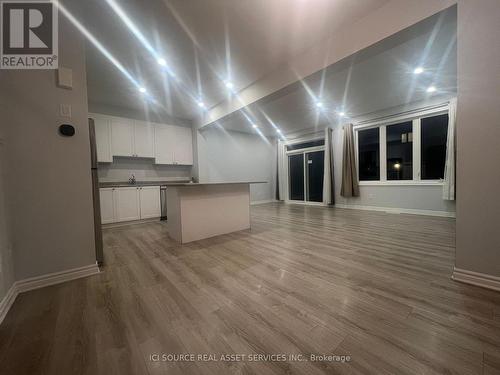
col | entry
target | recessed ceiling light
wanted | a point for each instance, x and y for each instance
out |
(278, 131)
(201, 104)
(342, 114)
(162, 61)
(254, 126)
(431, 89)
(319, 104)
(418, 70)
(142, 89)
(229, 84)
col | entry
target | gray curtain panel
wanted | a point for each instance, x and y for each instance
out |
(350, 186)
(328, 180)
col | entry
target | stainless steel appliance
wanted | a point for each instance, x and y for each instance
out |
(95, 195)
(163, 202)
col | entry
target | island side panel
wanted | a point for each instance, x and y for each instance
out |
(174, 213)
(212, 210)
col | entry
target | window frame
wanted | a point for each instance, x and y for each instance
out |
(413, 116)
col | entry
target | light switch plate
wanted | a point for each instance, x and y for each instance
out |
(65, 110)
(65, 78)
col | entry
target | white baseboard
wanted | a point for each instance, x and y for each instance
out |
(119, 224)
(253, 203)
(56, 278)
(392, 210)
(476, 278)
(43, 281)
(7, 302)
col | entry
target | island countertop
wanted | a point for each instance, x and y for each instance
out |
(115, 184)
(212, 183)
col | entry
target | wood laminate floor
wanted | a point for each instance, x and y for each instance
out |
(304, 280)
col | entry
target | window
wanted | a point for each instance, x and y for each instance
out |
(434, 131)
(298, 146)
(400, 151)
(413, 149)
(369, 154)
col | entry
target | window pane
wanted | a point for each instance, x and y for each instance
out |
(296, 176)
(369, 154)
(433, 148)
(400, 151)
(297, 146)
(315, 171)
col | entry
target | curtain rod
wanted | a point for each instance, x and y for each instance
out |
(409, 112)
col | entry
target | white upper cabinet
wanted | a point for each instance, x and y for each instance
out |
(164, 144)
(102, 126)
(173, 145)
(117, 136)
(183, 151)
(143, 139)
(122, 136)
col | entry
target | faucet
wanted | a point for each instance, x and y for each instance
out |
(131, 180)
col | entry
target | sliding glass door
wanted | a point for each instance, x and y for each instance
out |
(296, 177)
(314, 175)
(305, 176)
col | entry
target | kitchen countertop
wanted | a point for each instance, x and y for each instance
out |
(113, 184)
(171, 183)
(213, 183)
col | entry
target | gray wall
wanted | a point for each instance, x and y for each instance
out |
(49, 181)
(235, 156)
(6, 265)
(478, 135)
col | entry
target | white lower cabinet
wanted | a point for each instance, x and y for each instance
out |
(129, 203)
(149, 197)
(127, 206)
(107, 205)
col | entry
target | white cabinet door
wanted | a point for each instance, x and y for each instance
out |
(127, 203)
(102, 126)
(143, 139)
(164, 144)
(122, 136)
(183, 152)
(106, 196)
(149, 201)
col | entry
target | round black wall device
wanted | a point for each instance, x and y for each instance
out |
(67, 130)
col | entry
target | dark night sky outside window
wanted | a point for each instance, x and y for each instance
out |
(369, 154)
(400, 151)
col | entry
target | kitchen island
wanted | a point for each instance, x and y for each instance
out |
(203, 210)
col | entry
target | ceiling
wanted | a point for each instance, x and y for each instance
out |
(204, 42)
(375, 79)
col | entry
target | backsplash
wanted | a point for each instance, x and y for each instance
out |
(143, 170)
